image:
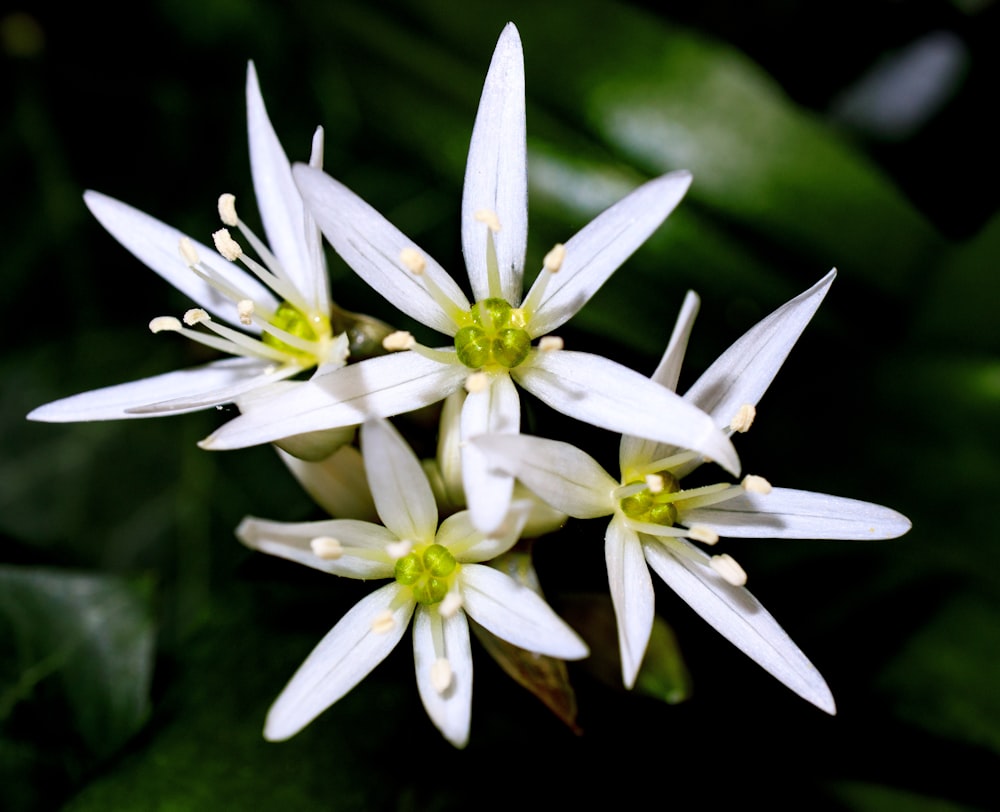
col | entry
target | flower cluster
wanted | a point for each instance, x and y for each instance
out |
(309, 377)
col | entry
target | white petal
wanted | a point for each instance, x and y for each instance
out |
(496, 409)
(281, 209)
(399, 486)
(450, 709)
(516, 614)
(470, 545)
(378, 387)
(293, 541)
(337, 483)
(603, 393)
(156, 244)
(343, 658)
(789, 514)
(743, 372)
(213, 384)
(636, 450)
(496, 174)
(738, 616)
(601, 246)
(559, 473)
(372, 246)
(632, 595)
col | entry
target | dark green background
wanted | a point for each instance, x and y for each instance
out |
(140, 645)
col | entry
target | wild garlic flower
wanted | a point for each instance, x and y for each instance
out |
(274, 317)
(437, 579)
(655, 519)
(492, 337)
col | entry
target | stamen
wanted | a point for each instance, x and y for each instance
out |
(415, 263)
(756, 484)
(245, 309)
(413, 260)
(554, 259)
(384, 622)
(477, 382)
(327, 548)
(441, 675)
(490, 218)
(655, 483)
(705, 535)
(196, 316)
(450, 605)
(161, 323)
(727, 567)
(550, 264)
(399, 340)
(226, 245)
(743, 419)
(227, 210)
(550, 344)
(187, 251)
(397, 549)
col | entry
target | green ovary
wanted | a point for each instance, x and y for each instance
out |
(428, 573)
(493, 335)
(292, 320)
(654, 508)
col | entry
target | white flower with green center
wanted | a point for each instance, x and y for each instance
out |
(436, 579)
(492, 337)
(655, 519)
(274, 319)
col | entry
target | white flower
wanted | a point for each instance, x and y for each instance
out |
(437, 579)
(492, 338)
(278, 316)
(654, 520)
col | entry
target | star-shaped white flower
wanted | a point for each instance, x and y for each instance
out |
(275, 318)
(654, 520)
(437, 580)
(492, 338)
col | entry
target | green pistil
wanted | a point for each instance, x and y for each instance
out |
(494, 335)
(653, 508)
(428, 574)
(292, 320)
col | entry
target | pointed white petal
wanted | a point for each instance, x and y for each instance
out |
(600, 247)
(496, 174)
(378, 387)
(631, 594)
(281, 209)
(343, 658)
(450, 708)
(156, 244)
(737, 615)
(119, 402)
(559, 473)
(743, 372)
(232, 392)
(636, 450)
(789, 514)
(337, 483)
(516, 614)
(399, 486)
(603, 393)
(496, 409)
(372, 246)
(470, 545)
(293, 541)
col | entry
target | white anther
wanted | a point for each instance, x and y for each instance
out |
(226, 245)
(727, 567)
(195, 316)
(399, 340)
(755, 484)
(161, 323)
(477, 382)
(397, 549)
(550, 343)
(227, 210)
(655, 483)
(703, 534)
(384, 622)
(554, 259)
(244, 307)
(327, 548)
(187, 251)
(490, 218)
(441, 675)
(450, 605)
(413, 260)
(743, 419)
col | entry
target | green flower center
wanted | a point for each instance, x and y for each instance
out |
(313, 328)
(493, 335)
(654, 507)
(428, 573)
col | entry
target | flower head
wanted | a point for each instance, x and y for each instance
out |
(655, 520)
(437, 579)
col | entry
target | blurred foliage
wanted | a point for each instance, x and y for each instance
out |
(142, 645)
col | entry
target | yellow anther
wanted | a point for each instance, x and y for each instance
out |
(384, 622)
(477, 382)
(161, 323)
(551, 343)
(554, 259)
(727, 567)
(490, 218)
(227, 210)
(244, 308)
(413, 260)
(743, 419)
(397, 549)
(450, 605)
(755, 484)
(655, 483)
(187, 251)
(703, 534)
(226, 245)
(399, 340)
(441, 675)
(195, 316)
(327, 548)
